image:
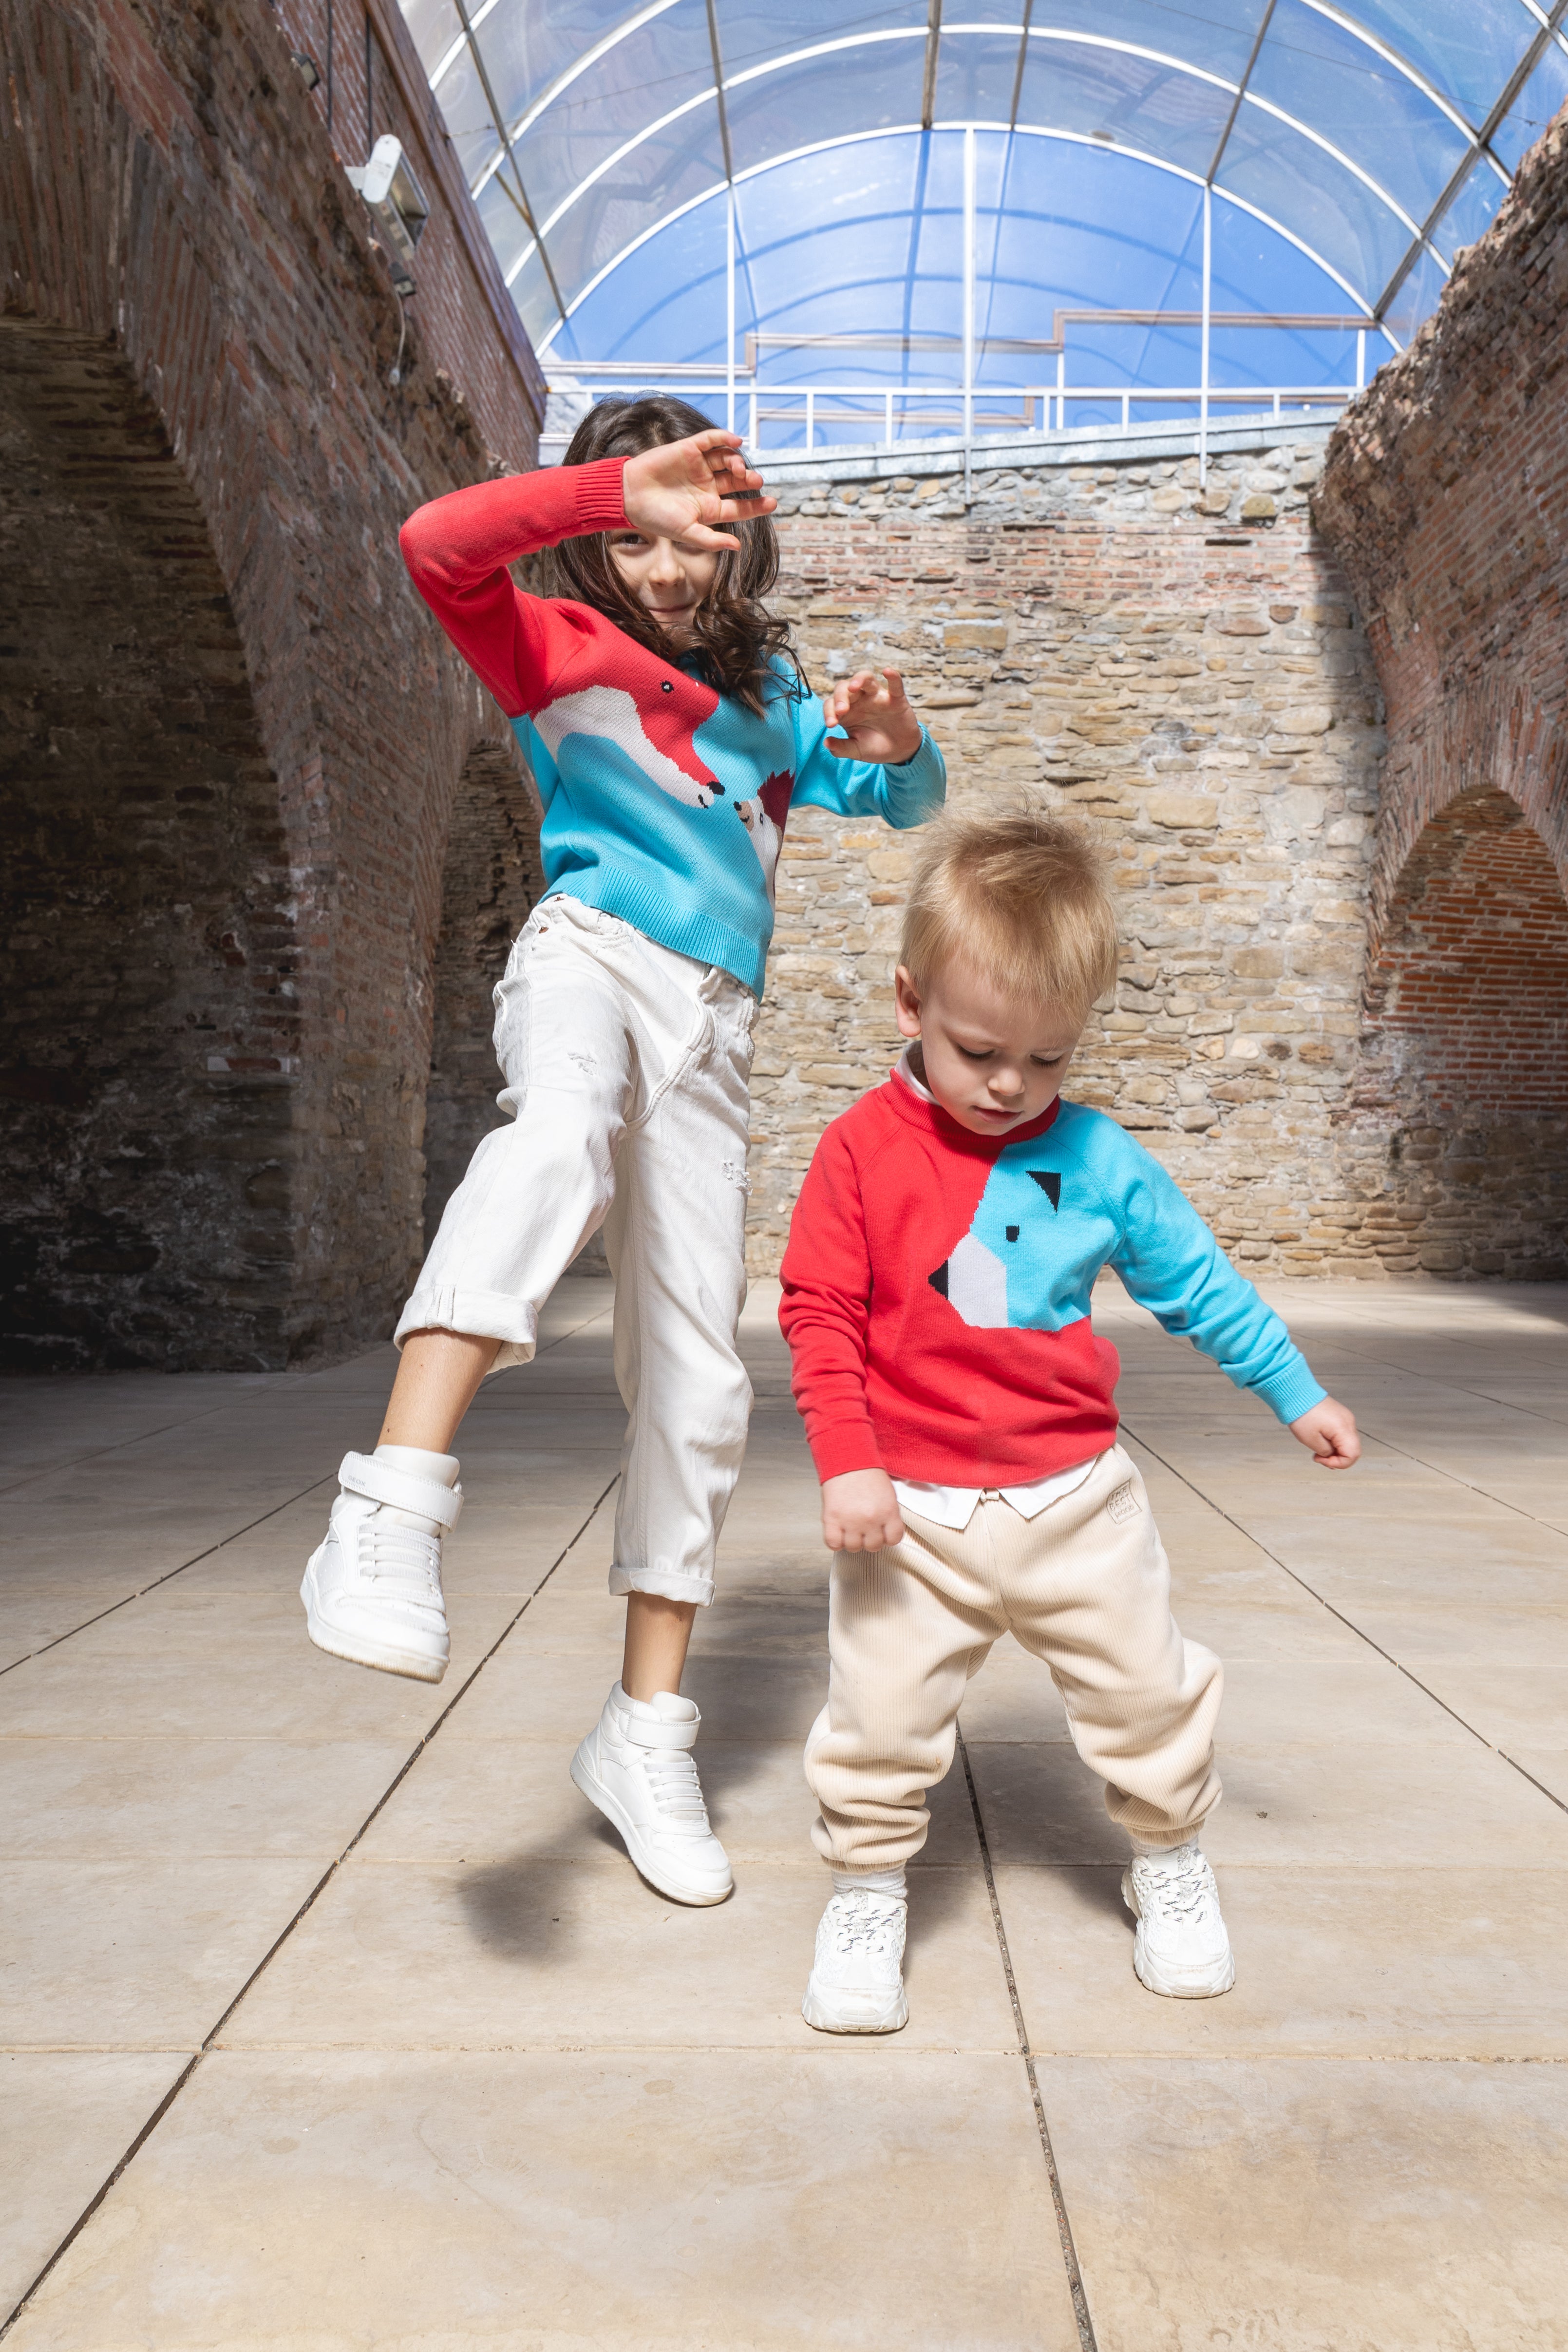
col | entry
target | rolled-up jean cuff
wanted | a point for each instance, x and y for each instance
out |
(477, 1315)
(669, 1584)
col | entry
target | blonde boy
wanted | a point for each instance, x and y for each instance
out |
(959, 1410)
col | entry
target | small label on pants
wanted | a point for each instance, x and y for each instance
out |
(1124, 1504)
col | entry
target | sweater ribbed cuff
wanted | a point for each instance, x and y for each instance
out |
(600, 497)
(1291, 1392)
(843, 1446)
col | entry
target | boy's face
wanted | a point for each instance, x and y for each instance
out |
(993, 1062)
(666, 576)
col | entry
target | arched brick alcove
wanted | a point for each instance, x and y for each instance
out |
(489, 883)
(1463, 1087)
(147, 937)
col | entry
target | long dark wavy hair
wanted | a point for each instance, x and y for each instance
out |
(734, 637)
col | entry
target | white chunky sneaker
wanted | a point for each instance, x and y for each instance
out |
(1181, 1946)
(372, 1588)
(636, 1765)
(856, 1984)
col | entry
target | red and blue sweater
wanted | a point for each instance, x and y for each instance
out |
(936, 1292)
(664, 802)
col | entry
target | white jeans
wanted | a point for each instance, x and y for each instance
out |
(626, 1068)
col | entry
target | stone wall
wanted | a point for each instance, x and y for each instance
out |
(1180, 665)
(1445, 498)
(230, 734)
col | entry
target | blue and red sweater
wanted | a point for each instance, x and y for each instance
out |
(664, 802)
(936, 1292)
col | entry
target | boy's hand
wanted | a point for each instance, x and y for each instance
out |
(860, 1512)
(686, 487)
(874, 712)
(1330, 1430)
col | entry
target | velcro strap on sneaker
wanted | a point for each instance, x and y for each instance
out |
(382, 1482)
(651, 1732)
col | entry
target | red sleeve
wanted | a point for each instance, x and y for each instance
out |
(457, 549)
(825, 1311)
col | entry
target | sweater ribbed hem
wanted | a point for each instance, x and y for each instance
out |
(650, 910)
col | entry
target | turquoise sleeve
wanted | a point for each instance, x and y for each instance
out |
(1172, 1265)
(902, 796)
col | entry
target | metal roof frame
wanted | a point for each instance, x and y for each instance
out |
(848, 41)
(908, 129)
(1351, 152)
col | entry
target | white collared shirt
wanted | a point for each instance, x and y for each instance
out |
(954, 1507)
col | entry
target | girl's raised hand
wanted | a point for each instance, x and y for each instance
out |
(875, 714)
(682, 490)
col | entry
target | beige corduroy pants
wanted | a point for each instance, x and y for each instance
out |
(1086, 1587)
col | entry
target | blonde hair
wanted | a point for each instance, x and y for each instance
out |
(1021, 898)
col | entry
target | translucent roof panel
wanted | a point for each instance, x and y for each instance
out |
(864, 202)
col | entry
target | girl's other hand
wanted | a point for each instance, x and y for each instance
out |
(684, 489)
(1330, 1432)
(860, 1512)
(875, 714)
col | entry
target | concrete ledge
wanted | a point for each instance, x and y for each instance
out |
(853, 461)
(991, 453)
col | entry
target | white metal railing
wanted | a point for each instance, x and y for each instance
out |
(903, 413)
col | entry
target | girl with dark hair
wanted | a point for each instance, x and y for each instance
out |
(669, 734)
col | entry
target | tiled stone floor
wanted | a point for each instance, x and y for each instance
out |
(331, 2017)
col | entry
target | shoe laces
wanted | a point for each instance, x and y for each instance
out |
(1182, 1891)
(672, 1777)
(862, 1923)
(401, 1557)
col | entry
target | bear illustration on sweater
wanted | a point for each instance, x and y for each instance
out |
(999, 1275)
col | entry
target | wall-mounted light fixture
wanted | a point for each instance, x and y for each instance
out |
(309, 71)
(396, 197)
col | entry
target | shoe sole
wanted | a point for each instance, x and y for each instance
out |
(382, 1656)
(816, 2014)
(1208, 1989)
(585, 1778)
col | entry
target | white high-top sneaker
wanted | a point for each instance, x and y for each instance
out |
(636, 1765)
(372, 1588)
(1181, 1946)
(856, 1984)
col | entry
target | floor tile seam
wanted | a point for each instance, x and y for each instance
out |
(1361, 1633)
(169, 1574)
(210, 2038)
(808, 1864)
(1315, 1869)
(790, 2026)
(1469, 1484)
(85, 2216)
(825, 2054)
(97, 2049)
(1299, 2058)
(1075, 2286)
(102, 1452)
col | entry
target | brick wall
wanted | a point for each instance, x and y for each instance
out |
(1445, 497)
(1179, 664)
(489, 884)
(230, 736)
(1464, 1066)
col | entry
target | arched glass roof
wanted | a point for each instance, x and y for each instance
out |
(962, 208)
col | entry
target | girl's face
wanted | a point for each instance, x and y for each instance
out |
(667, 577)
